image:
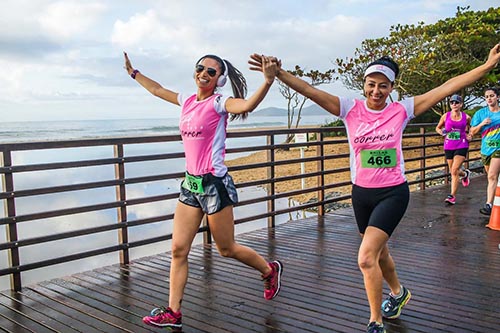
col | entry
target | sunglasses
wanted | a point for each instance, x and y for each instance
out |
(211, 71)
(454, 102)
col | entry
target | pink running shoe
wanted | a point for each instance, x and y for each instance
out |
(272, 282)
(161, 317)
(466, 179)
(450, 199)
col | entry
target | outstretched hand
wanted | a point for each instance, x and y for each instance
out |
(494, 55)
(128, 65)
(269, 66)
(259, 62)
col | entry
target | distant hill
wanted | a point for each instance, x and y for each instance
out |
(312, 110)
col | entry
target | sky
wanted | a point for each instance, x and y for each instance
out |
(63, 60)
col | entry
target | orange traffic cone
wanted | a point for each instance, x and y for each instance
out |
(494, 223)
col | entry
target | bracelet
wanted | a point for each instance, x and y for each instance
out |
(134, 73)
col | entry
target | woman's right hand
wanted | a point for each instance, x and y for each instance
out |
(256, 61)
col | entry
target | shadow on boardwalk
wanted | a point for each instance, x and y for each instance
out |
(444, 254)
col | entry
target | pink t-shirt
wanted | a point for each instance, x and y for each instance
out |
(375, 141)
(203, 127)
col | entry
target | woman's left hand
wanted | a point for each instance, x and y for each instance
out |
(128, 66)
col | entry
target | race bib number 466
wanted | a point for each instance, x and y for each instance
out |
(383, 158)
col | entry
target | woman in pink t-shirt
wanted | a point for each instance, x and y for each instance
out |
(454, 126)
(208, 188)
(380, 193)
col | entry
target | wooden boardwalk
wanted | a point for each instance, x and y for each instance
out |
(444, 255)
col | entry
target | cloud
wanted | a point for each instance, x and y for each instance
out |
(140, 28)
(65, 52)
(62, 20)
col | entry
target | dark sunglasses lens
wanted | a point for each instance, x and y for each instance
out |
(211, 72)
(199, 68)
(454, 102)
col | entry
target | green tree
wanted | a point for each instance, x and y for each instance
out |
(429, 55)
(296, 101)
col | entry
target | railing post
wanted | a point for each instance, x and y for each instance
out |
(11, 228)
(320, 151)
(271, 188)
(121, 195)
(422, 160)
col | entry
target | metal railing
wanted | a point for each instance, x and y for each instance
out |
(17, 192)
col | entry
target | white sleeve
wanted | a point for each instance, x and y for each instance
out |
(409, 105)
(220, 104)
(345, 105)
(181, 99)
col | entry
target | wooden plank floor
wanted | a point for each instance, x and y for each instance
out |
(444, 255)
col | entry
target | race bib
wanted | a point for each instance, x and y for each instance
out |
(193, 184)
(453, 136)
(493, 143)
(383, 158)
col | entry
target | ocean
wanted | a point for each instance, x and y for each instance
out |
(66, 130)
(27, 131)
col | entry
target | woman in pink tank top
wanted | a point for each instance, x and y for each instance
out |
(374, 128)
(454, 126)
(208, 188)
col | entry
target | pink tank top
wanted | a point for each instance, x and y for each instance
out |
(375, 141)
(456, 137)
(203, 130)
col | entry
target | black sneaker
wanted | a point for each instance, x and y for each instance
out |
(486, 209)
(392, 306)
(375, 327)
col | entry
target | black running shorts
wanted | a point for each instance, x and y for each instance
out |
(382, 208)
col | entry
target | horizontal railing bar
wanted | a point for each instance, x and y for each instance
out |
(58, 165)
(43, 145)
(88, 163)
(87, 254)
(39, 145)
(291, 193)
(83, 232)
(92, 185)
(285, 178)
(63, 259)
(289, 210)
(85, 209)
(59, 189)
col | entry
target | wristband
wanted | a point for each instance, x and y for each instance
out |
(134, 73)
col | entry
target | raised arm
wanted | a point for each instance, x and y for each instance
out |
(425, 101)
(327, 101)
(150, 85)
(240, 105)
